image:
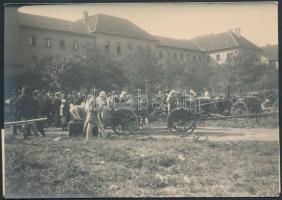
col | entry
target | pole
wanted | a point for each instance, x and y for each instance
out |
(24, 122)
(138, 96)
(228, 92)
(148, 89)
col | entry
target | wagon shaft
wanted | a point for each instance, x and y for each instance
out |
(240, 116)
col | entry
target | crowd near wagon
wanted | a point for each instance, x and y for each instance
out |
(182, 110)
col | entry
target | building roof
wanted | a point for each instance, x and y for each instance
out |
(115, 25)
(178, 43)
(95, 23)
(220, 41)
(270, 52)
(119, 26)
(52, 23)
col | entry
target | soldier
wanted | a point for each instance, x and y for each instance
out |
(169, 99)
(56, 109)
(92, 119)
(206, 94)
(15, 110)
(64, 113)
(47, 107)
(193, 93)
(103, 113)
(25, 103)
(123, 96)
(38, 111)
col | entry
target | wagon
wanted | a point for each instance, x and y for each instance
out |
(184, 114)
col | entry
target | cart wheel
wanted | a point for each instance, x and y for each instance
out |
(239, 108)
(181, 120)
(124, 121)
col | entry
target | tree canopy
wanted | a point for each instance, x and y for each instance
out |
(102, 71)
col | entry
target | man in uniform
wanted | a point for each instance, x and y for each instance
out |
(38, 111)
(169, 99)
(25, 103)
(15, 111)
(92, 119)
(206, 94)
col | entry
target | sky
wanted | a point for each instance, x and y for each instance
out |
(258, 20)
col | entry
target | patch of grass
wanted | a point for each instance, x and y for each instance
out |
(126, 166)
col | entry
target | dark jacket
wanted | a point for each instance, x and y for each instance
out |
(25, 104)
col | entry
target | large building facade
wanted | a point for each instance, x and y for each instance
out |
(30, 38)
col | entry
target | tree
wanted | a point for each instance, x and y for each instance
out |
(187, 75)
(91, 70)
(141, 66)
(245, 70)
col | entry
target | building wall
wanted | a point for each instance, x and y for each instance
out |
(40, 50)
(222, 55)
(181, 55)
(103, 39)
(264, 60)
(12, 60)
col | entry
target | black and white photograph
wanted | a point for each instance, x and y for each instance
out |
(141, 100)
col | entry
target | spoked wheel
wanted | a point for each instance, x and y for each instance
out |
(124, 121)
(181, 120)
(239, 108)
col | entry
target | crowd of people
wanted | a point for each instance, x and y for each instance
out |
(61, 107)
(58, 107)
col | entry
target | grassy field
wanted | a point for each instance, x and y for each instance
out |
(126, 166)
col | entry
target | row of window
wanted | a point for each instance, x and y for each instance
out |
(48, 43)
(129, 47)
(62, 45)
(181, 56)
(118, 48)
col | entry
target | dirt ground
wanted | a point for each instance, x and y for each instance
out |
(221, 162)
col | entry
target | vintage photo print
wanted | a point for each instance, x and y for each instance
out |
(141, 100)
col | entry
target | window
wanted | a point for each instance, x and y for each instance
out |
(218, 57)
(200, 58)
(129, 48)
(48, 61)
(118, 48)
(62, 44)
(32, 41)
(48, 43)
(229, 56)
(174, 55)
(181, 57)
(194, 58)
(168, 54)
(208, 58)
(188, 57)
(149, 50)
(107, 47)
(33, 62)
(160, 54)
(75, 46)
(94, 41)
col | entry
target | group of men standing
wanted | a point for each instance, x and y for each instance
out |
(61, 108)
(27, 106)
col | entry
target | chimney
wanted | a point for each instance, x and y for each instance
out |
(85, 16)
(237, 31)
